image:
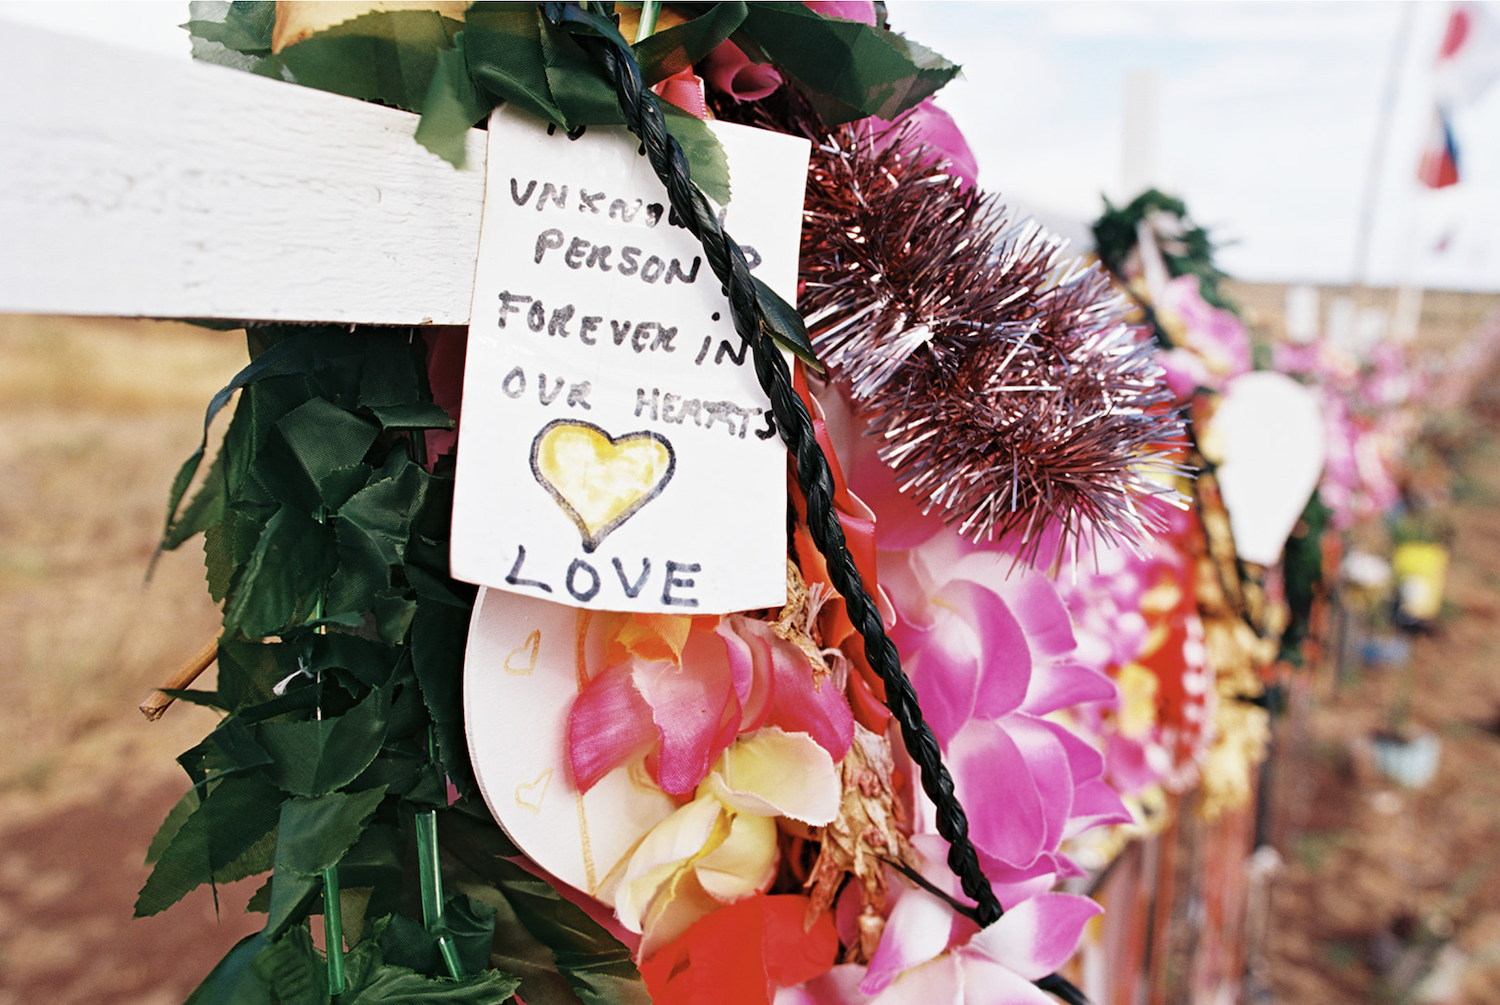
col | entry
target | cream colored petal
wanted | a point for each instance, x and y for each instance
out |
(677, 905)
(744, 864)
(772, 773)
(669, 849)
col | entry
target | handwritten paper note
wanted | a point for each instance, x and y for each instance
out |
(615, 449)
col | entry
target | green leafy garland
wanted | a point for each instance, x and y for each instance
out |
(327, 542)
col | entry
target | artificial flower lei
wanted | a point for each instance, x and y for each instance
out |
(875, 789)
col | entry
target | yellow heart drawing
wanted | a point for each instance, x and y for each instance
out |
(527, 651)
(599, 480)
(529, 795)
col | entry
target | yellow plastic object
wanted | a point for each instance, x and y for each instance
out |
(1420, 569)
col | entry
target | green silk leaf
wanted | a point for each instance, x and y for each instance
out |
(249, 670)
(372, 981)
(576, 84)
(469, 923)
(664, 53)
(176, 816)
(293, 558)
(319, 755)
(206, 509)
(438, 634)
(233, 980)
(451, 108)
(707, 162)
(294, 969)
(383, 509)
(858, 70)
(786, 326)
(236, 813)
(412, 415)
(314, 455)
(315, 833)
(383, 56)
(365, 660)
(246, 28)
(285, 357)
(596, 965)
(230, 749)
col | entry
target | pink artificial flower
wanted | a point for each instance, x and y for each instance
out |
(988, 648)
(1184, 371)
(685, 90)
(927, 127)
(446, 346)
(862, 11)
(1214, 334)
(929, 953)
(678, 690)
(728, 69)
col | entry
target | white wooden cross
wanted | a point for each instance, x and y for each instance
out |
(132, 185)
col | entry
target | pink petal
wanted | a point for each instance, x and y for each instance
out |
(1050, 768)
(728, 69)
(936, 982)
(695, 710)
(987, 983)
(1014, 884)
(1085, 763)
(850, 10)
(749, 670)
(943, 665)
(1130, 763)
(1095, 804)
(900, 522)
(1064, 684)
(1043, 616)
(839, 986)
(609, 724)
(973, 662)
(920, 927)
(929, 127)
(816, 708)
(685, 90)
(1008, 662)
(1036, 937)
(994, 783)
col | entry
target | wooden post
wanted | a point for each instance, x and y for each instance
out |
(141, 186)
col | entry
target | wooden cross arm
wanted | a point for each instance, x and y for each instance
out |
(133, 185)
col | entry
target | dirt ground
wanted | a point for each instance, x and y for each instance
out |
(1383, 893)
(1389, 893)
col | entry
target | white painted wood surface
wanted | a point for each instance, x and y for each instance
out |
(136, 186)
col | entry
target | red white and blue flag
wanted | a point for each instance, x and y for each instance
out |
(1468, 63)
(1439, 166)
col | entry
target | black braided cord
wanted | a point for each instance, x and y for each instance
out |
(644, 117)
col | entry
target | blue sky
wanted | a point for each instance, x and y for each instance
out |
(1266, 120)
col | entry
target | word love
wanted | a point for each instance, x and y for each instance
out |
(583, 582)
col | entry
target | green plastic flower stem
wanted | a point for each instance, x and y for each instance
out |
(432, 890)
(333, 930)
(333, 920)
(647, 27)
